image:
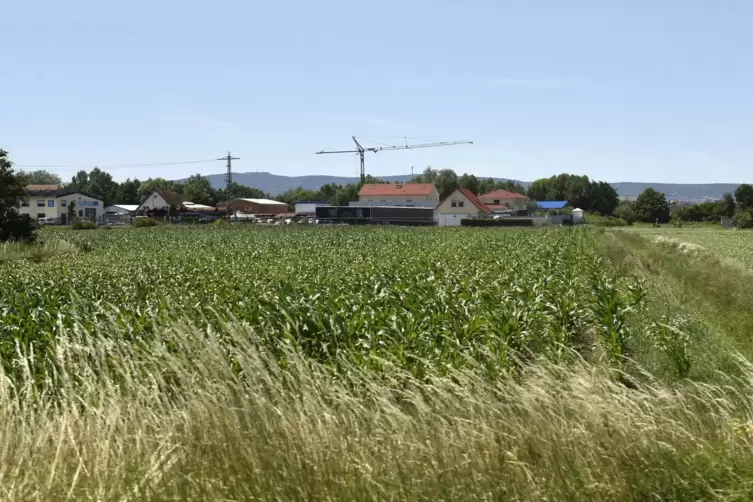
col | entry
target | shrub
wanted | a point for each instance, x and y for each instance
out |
(219, 222)
(743, 219)
(501, 222)
(145, 222)
(84, 225)
(606, 221)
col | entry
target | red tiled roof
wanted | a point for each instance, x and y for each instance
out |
(397, 189)
(474, 200)
(503, 194)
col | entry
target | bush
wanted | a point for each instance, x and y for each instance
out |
(743, 219)
(606, 221)
(219, 222)
(145, 222)
(84, 225)
(501, 222)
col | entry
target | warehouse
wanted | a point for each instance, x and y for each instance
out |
(375, 215)
(461, 204)
(257, 206)
(51, 204)
(308, 207)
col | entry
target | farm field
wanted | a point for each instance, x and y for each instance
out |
(350, 363)
(422, 299)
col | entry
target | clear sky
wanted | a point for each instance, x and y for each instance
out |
(630, 90)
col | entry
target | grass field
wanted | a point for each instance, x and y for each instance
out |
(737, 246)
(237, 363)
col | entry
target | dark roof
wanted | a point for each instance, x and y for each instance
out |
(53, 191)
(551, 204)
(474, 200)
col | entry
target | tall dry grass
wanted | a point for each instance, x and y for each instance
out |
(193, 416)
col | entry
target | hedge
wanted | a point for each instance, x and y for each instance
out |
(501, 222)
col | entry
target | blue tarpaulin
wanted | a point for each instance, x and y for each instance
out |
(551, 204)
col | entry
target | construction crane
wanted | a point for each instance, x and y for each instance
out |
(361, 151)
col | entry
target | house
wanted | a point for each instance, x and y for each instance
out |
(53, 203)
(461, 204)
(257, 206)
(399, 194)
(504, 200)
(160, 200)
(550, 205)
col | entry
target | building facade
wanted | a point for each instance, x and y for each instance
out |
(399, 194)
(53, 205)
(461, 204)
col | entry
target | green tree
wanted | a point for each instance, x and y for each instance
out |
(198, 190)
(41, 177)
(727, 205)
(13, 225)
(128, 192)
(72, 211)
(236, 191)
(651, 206)
(604, 198)
(624, 210)
(744, 196)
(150, 185)
(470, 182)
(447, 182)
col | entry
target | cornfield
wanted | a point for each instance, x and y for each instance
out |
(420, 299)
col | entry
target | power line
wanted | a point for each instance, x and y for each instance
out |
(117, 166)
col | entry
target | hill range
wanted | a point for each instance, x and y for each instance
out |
(275, 184)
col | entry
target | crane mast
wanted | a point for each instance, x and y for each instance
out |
(361, 151)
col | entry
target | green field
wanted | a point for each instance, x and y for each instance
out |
(737, 246)
(347, 363)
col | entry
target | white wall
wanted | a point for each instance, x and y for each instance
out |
(154, 201)
(452, 220)
(308, 207)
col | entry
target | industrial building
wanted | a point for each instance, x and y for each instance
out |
(257, 206)
(376, 215)
(51, 204)
(308, 207)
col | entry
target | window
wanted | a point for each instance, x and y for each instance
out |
(496, 202)
(25, 203)
(50, 203)
(63, 203)
(41, 215)
(461, 203)
(454, 203)
(409, 200)
(80, 213)
(40, 203)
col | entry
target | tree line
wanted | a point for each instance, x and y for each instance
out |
(579, 191)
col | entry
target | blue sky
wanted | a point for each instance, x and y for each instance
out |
(619, 90)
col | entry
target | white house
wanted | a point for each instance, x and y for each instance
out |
(50, 202)
(161, 199)
(461, 204)
(503, 200)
